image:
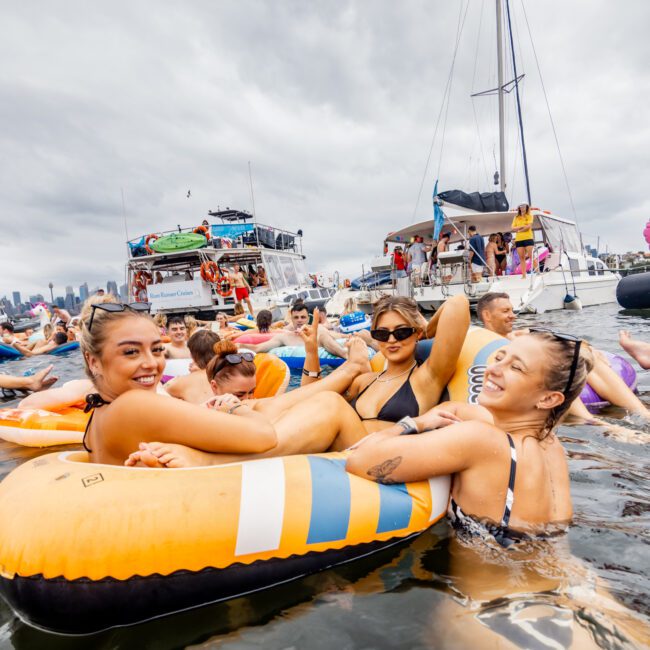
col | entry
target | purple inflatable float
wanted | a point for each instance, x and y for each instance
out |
(622, 368)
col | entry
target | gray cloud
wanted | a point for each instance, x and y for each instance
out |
(334, 103)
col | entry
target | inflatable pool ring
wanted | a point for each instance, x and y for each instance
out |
(633, 291)
(294, 356)
(150, 238)
(354, 322)
(139, 294)
(254, 337)
(245, 323)
(8, 352)
(209, 271)
(224, 285)
(622, 368)
(202, 230)
(40, 428)
(142, 279)
(65, 525)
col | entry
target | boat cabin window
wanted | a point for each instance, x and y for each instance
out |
(290, 276)
(574, 265)
(591, 267)
(274, 272)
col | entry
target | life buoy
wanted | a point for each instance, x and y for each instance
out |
(224, 286)
(209, 271)
(202, 230)
(151, 237)
(142, 279)
(140, 294)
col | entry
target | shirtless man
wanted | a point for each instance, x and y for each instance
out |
(290, 336)
(195, 387)
(495, 312)
(242, 288)
(177, 347)
(59, 314)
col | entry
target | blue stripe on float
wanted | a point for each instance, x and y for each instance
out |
(482, 356)
(330, 500)
(395, 506)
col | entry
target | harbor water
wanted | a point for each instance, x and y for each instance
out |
(588, 588)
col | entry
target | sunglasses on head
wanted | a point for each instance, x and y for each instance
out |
(569, 338)
(233, 359)
(399, 334)
(115, 307)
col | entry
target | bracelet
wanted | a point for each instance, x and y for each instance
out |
(311, 373)
(232, 408)
(408, 425)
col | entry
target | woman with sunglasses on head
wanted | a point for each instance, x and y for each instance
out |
(509, 470)
(404, 388)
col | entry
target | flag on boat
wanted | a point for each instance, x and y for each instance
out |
(438, 214)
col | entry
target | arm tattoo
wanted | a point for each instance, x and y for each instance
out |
(381, 472)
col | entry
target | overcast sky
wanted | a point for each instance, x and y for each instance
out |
(334, 103)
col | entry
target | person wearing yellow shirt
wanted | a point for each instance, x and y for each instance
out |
(522, 226)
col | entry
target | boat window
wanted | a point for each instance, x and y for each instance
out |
(574, 266)
(591, 267)
(274, 273)
(290, 277)
(561, 236)
(301, 270)
(314, 293)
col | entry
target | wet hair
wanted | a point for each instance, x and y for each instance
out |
(407, 308)
(175, 320)
(238, 309)
(299, 305)
(60, 338)
(201, 345)
(485, 302)
(92, 342)
(219, 369)
(160, 319)
(264, 320)
(7, 326)
(557, 372)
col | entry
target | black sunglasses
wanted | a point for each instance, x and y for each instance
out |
(400, 334)
(233, 359)
(115, 307)
(569, 338)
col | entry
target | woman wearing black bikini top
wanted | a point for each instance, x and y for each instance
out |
(404, 388)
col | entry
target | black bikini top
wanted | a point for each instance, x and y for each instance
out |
(399, 405)
(93, 401)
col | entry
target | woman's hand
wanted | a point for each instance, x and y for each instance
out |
(435, 419)
(224, 403)
(309, 333)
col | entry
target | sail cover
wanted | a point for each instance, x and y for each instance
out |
(479, 201)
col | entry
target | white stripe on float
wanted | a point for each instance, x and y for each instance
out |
(440, 487)
(261, 511)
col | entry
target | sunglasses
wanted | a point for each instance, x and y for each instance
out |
(233, 359)
(114, 307)
(569, 338)
(400, 334)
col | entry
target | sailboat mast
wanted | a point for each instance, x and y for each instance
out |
(502, 145)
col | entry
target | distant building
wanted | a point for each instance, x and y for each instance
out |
(83, 292)
(17, 299)
(7, 306)
(37, 298)
(59, 302)
(69, 298)
(111, 287)
(124, 293)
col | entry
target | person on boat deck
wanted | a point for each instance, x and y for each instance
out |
(417, 253)
(510, 476)
(638, 350)
(59, 314)
(501, 255)
(195, 387)
(398, 263)
(299, 315)
(124, 357)
(36, 382)
(496, 313)
(158, 278)
(476, 247)
(242, 288)
(177, 347)
(522, 226)
(443, 247)
(490, 254)
(261, 274)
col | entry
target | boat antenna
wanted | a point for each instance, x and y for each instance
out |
(250, 180)
(521, 123)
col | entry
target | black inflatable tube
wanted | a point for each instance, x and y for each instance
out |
(87, 606)
(633, 291)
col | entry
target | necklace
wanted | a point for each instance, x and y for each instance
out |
(385, 381)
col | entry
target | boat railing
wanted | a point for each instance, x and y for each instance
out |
(227, 235)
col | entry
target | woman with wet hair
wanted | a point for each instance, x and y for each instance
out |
(509, 471)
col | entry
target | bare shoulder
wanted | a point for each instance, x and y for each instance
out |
(467, 411)
(359, 383)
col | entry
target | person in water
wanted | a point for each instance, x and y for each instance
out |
(195, 387)
(404, 387)
(124, 357)
(509, 471)
(177, 347)
(496, 313)
(39, 381)
(638, 350)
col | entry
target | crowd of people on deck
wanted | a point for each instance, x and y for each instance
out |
(501, 254)
(510, 477)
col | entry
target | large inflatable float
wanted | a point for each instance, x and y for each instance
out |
(40, 428)
(294, 356)
(8, 352)
(633, 291)
(623, 368)
(85, 547)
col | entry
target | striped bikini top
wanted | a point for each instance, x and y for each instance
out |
(501, 533)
